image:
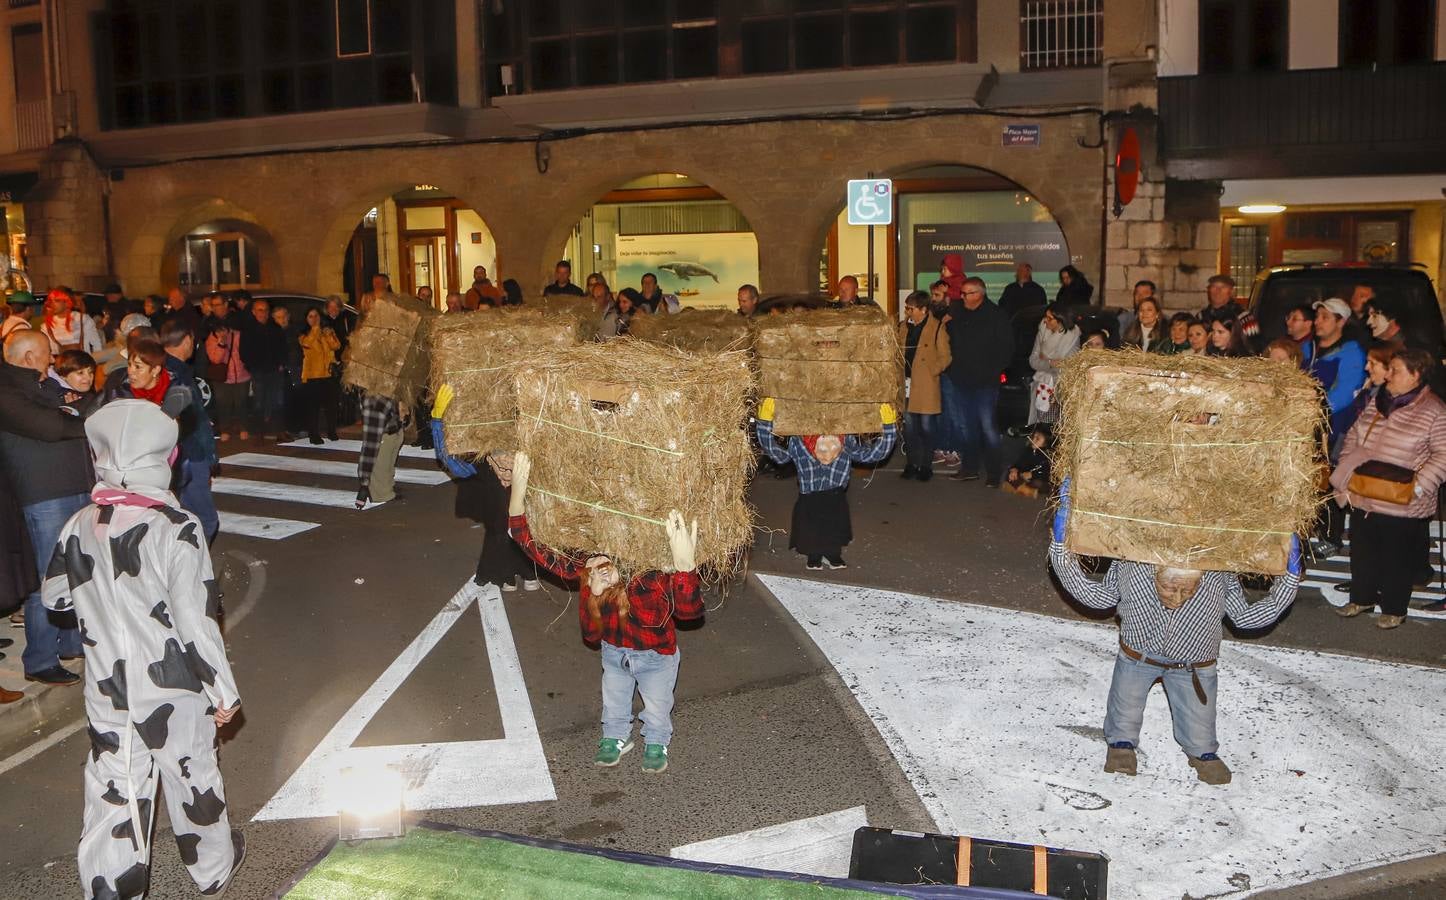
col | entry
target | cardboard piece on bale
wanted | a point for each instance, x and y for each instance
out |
(387, 354)
(479, 354)
(621, 433)
(1196, 462)
(828, 370)
(695, 330)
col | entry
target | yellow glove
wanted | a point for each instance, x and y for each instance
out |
(887, 414)
(765, 409)
(444, 400)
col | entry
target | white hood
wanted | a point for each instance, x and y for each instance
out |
(132, 441)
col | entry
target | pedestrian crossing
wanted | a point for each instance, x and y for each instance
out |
(1326, 574)
(328, 481)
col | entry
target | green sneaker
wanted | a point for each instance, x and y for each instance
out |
(655, 758)
(610, 750)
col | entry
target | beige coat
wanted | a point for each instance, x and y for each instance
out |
(930, 361)
(1413, 436)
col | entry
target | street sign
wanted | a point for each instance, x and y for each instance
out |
(1020, 135)
(871, 201)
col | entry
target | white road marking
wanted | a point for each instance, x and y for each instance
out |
(348, 445)
(994, 716)
(291, 493)
(819, 845)
(438, 775)
(262, 526)
(337, 467)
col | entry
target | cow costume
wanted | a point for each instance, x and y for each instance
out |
(135, 569)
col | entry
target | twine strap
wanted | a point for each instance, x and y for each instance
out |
(1100, 515)
(598, 506)
(609, 437)
(1192, 445)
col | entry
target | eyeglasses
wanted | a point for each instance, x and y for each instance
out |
(974, 293)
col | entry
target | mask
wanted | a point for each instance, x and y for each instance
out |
(1175, 586)
(827, 449)
(1379, 324)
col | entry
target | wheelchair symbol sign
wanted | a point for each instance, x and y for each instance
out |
(871, 201)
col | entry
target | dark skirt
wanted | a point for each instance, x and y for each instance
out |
(501, 560)
(821, 523)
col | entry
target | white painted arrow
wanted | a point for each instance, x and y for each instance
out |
(819, 845)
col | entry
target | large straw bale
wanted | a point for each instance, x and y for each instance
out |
(695, 330)
(621, 433)
(1196, 462)
(580, 308)
(479, 354)
(828, 370)
(388, 354)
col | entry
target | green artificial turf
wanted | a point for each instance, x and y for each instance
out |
(440, 865)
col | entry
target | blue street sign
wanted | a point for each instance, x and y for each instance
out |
(871, 201)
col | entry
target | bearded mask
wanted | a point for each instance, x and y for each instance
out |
(604, 589)
(1175, 586)
(826, 448)
(501, 463)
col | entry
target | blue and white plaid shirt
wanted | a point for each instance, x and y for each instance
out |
(814, 476)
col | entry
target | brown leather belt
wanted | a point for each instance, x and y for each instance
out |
(1194, 677)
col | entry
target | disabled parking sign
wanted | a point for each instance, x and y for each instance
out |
(871, 201)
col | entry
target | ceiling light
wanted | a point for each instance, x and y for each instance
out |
(1262, 209)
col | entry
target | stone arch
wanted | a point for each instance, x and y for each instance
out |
(161, 229)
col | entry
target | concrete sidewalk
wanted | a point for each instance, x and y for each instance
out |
(42, 702)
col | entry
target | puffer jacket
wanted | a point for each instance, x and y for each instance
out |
(1413, 436)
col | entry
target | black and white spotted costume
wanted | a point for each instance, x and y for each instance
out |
(135, 568)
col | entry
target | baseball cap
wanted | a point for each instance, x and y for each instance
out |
(1335, 305)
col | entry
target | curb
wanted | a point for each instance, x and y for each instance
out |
(1426, 874)
(41, 705)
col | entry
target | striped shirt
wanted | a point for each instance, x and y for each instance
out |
(1189, 634)
(814, 476)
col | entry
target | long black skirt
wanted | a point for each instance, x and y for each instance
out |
(821, 523)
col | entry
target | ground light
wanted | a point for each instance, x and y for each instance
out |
(1261, 209)
(369, 803)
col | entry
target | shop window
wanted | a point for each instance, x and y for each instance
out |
(1387, 32)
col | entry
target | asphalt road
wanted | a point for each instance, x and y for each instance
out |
(765, 730)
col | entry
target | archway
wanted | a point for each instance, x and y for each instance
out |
(221, 255)
(994, 223)
(696, 242)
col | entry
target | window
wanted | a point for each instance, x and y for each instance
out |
(1387, 32)
(1055, 35)
(1249, 253)
(219, 261)
(353, 27)
(1243, 35)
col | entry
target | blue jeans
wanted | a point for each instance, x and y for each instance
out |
(195, 495)
(946, 428)
(45, 641)
(268, 393)
(974, 410)
(653, 674)
(1194, 721)
(919, 440)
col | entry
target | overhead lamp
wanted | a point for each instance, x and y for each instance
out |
(1262, 209)
(369, 803)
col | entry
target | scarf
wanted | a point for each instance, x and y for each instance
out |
(955, 281)
(156, 393)
(1387, 404)
(810, 441)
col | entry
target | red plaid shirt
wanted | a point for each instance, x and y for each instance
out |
(656, 598)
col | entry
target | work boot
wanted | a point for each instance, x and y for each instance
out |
(1351, 610)
(1210, 768)
(1120, 758)
(610, 750)
(1386, 623)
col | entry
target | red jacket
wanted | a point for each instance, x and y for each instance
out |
(656, 598)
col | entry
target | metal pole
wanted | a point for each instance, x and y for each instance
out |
(871, 263)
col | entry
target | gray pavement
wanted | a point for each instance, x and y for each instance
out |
(766, 731)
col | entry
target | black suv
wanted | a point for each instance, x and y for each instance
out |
(1405, 288)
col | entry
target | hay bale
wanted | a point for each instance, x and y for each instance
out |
(1197, 462)
(388, 354)
(581, 309)
(695, 330)
(479, 354)
(621, 433)
(828, 370)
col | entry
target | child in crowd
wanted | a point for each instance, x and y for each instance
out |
(1030, 473)
(821, 527)
(632, 624)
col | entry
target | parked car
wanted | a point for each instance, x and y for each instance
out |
(298, 304)
(1407, 287)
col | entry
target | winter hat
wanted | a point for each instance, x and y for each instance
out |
(132, 322)
(132, 440)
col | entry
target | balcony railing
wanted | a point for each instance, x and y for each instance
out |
(1395, 109)
(32, 125)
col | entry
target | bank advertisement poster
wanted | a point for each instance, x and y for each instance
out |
(702, 269)
(991, 250)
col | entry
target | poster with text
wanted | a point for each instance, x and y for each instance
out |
(702, 269)
(991, 250)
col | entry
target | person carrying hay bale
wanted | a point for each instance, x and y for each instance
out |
(1170, 630)
(632, 624)
(821, 526)
(502, 562)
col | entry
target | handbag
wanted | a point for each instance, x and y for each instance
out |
(1376, 479)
